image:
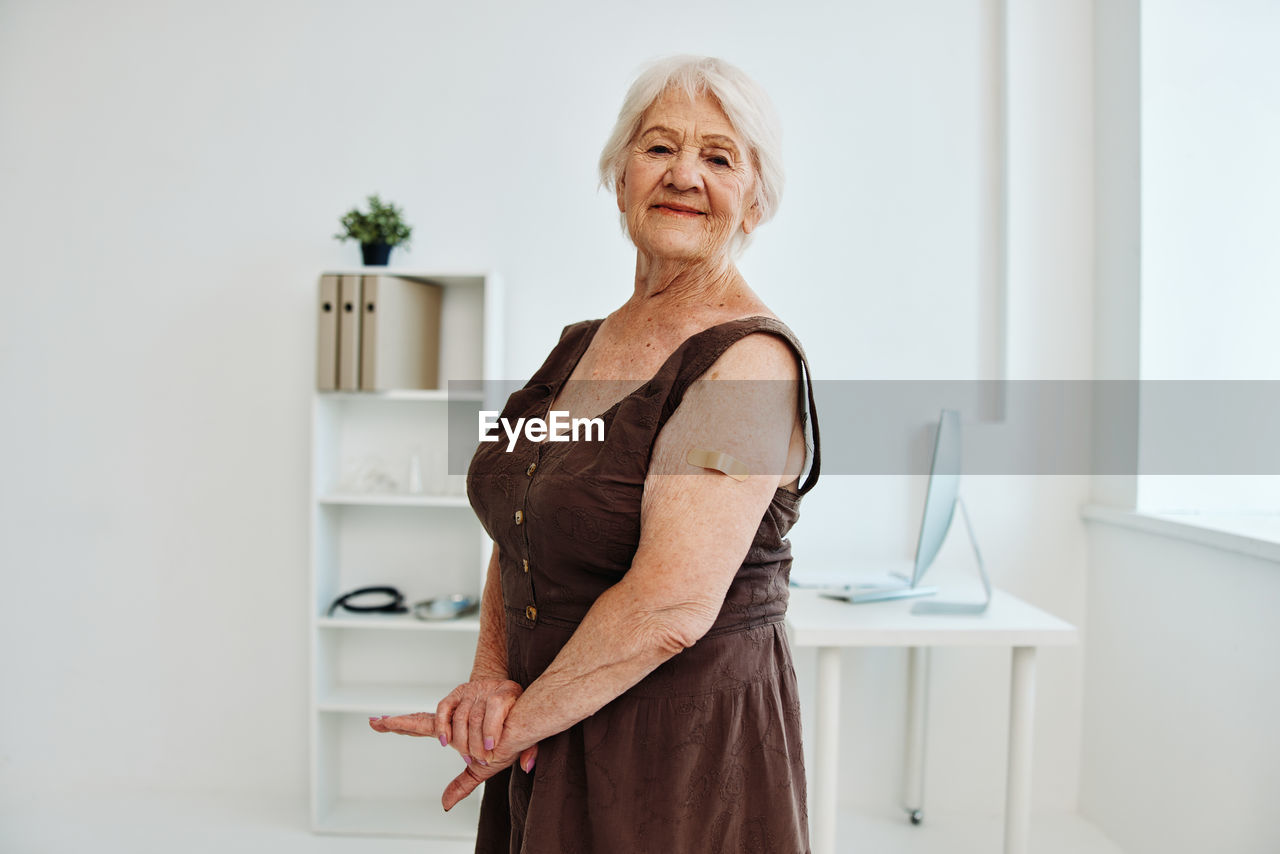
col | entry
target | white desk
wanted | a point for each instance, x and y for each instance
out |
(830, 625)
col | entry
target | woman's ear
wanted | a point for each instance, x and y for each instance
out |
(752, 219)
(620, 187)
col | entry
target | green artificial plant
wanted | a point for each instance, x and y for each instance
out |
(382, 224)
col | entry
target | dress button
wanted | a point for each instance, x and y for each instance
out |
(531, 469)
(519, 517)
(526, 564)
(531, 613)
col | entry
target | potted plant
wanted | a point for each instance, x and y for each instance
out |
(378, 230)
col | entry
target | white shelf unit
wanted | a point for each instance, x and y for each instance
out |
(370, 531)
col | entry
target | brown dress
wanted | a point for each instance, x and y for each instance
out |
(703, 754)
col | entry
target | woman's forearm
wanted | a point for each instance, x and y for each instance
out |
(622, 639)
(491, 647)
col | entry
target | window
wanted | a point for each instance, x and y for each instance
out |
(1210, 219)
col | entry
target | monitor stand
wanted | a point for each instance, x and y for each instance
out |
(961, 607)
(878, 594)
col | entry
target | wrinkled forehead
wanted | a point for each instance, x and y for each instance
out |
(701, 115)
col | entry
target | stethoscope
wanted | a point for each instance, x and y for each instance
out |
(442, 608)
(393, 605)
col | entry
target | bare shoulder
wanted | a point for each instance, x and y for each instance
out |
(758, 356)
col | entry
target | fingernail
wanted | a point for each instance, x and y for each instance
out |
(482, 762)
(444, 741)
(528, 766)
(371, 720)
(488, 744)
(466, 759)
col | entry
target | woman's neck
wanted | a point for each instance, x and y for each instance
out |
(663, 281)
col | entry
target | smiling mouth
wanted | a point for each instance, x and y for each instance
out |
(674, 211)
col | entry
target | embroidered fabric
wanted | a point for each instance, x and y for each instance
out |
(704, 754)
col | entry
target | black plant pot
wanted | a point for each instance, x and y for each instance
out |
(375, 254)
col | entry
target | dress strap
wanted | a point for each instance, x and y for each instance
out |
(699, 353)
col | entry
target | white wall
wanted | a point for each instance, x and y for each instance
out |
(172, 177)
(1180, 697)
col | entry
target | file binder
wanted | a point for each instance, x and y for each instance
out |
(349, 333)
(327, 335)
(399, 334)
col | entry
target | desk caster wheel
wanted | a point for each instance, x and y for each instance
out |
(917, 817)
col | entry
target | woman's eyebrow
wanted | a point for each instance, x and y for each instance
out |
(715, 139)
(657, 129)
(721, 141)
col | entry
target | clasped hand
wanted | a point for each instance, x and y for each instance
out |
(472, 720)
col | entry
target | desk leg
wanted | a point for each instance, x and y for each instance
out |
(917, 709)
(826, 750)
(1022, 698)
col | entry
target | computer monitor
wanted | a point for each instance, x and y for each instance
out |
(940, 502)
(944, 490)
(939, 508)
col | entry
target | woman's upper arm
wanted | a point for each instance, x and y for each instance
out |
(697, 524)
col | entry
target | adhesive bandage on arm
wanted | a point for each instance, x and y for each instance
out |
(717, 461)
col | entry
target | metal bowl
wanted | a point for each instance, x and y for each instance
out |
(445, 607)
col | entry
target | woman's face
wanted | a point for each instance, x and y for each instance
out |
(689, 183)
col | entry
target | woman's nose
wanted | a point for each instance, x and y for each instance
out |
(683, 173)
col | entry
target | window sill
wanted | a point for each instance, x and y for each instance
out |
(1256, 535)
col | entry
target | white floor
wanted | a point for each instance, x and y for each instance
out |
(185, 824)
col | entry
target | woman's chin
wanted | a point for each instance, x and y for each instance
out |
(687, 251)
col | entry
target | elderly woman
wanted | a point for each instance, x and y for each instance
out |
(633, 688)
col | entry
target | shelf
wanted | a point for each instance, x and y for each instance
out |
(393, 499)
(363, 447)
(455, 278)
(382, 698)
(399, 817)
(398, 622)
(413, 394)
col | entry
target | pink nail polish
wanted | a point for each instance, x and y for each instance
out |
(528, 768)
(488, 744)
(466, 759)
(444, 741)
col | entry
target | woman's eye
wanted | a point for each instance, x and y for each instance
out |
(719, 160)
(659, 149)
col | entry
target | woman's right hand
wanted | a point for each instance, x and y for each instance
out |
(470, 719)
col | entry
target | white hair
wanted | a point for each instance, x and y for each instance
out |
(749, 110)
